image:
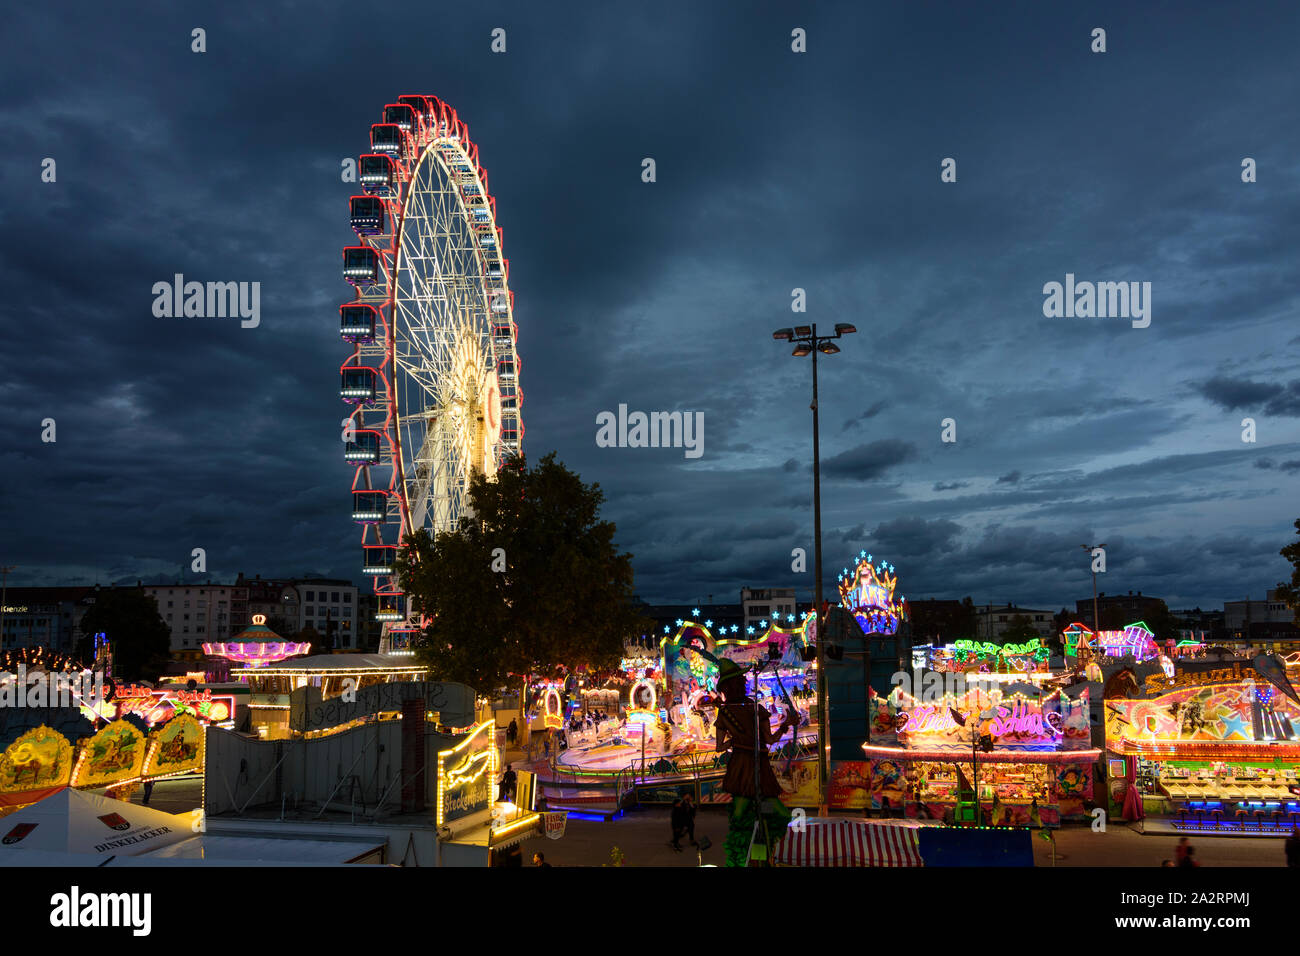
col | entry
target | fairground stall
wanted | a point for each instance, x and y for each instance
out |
(1010, 755)
(1215, 745)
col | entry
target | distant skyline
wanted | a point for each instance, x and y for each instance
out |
(775, 171)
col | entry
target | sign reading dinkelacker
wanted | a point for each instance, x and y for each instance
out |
(454, 704)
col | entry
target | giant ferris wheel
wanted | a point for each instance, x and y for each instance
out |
(433, 378)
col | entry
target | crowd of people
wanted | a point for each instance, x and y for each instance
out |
(588, 721)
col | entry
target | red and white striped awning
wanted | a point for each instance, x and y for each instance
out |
(848, 843)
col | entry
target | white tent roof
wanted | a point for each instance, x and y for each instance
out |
(73, 821)
(206, 850)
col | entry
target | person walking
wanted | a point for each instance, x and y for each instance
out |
(512, 732)
(539, 859)
(688, 818)
(1189, 859)
(1180, 851)
(508, 781)
(678, 821)
(148, 792)
(1293, 848)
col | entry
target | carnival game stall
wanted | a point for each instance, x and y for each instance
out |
(1215, 746)
(1013, 757)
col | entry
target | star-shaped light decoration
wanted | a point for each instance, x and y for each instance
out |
(695, 612)
(1234, 726)
(735, 628)
(750, 629)
(680, 622)
(708, 623)
(763, 623)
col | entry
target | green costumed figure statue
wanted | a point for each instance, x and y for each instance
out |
(735, 733)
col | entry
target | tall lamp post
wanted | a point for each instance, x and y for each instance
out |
(806, 341)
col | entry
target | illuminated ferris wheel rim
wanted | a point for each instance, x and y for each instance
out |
(439, 398)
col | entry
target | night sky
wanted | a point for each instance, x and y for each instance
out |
(775, 170)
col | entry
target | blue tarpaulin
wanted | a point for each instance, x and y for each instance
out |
(958, 846)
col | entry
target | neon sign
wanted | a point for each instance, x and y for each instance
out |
(158, 705)
(1135, 639)
(1019, 720)
(1032, 647)
(642, 699)
(465, 774)
(554, 706)
(869, 593)
(1076, 636)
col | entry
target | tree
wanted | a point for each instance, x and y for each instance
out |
(277, 625)
(970, 619)
(1163, 624)
(140, 639)
(313, 637)
(1291, 592)
(531, 584)
(1019, 630)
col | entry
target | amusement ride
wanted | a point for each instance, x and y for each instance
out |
(433, 377)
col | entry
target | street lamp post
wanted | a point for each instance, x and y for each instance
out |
(807, 341)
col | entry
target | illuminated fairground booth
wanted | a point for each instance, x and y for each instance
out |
(1027, 751)
(1214, 745)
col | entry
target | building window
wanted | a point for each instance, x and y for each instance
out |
(311, 595)
(347, 598)
(173, 603)
(308, 609)
(334, 597)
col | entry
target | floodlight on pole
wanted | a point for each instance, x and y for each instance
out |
(808, 342)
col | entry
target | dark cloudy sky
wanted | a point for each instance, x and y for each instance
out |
(776, 170)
